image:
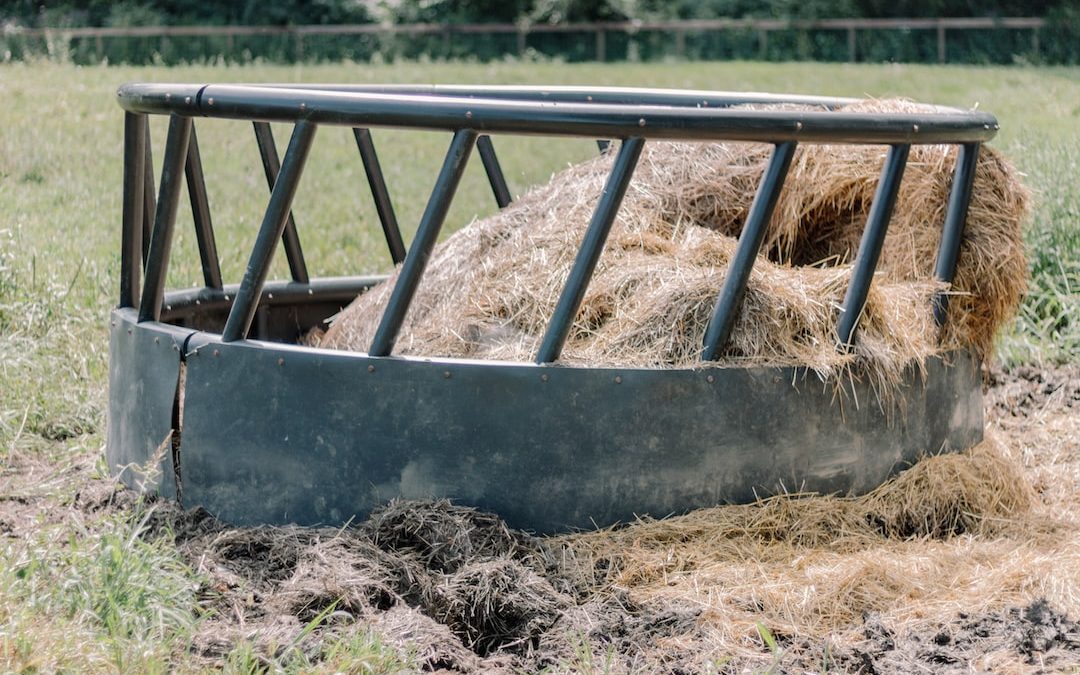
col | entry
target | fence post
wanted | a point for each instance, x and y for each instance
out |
(941, 43)
(763, 44)
(601, 46)
(680, 44)
(522, 35)
(851, 43)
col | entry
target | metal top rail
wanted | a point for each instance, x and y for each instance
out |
(473, 112)
(524, 112)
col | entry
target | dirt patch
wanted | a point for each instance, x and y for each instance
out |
(1026, 390)
(1034, 638)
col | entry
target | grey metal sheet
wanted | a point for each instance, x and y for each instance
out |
(277, 434)
(144, 367)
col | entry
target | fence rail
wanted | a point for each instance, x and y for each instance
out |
(599, 31)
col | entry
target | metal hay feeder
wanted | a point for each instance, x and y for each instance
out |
(210, 390)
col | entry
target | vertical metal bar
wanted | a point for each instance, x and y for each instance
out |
(383, 206)
(877, 224)
(131, 245)
(591, 246)
(457, 157)
(149, 207)
(268, 151)
(680, 44)
(200, 213)
(941, 43)
(273, 224)
(955, 217)
(493, 170)
(601, 45)
(157, 261)
(753, 234)
(851, 44)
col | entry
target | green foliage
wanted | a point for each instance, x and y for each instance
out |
(1047, 327)
(117, 599)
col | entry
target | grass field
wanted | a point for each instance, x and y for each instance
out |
(80, 596)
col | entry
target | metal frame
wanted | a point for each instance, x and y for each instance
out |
(631, 117)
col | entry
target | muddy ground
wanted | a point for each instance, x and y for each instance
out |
(462, 592)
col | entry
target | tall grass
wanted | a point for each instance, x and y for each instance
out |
(101, 599)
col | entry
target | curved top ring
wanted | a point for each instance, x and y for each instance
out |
(562, 111)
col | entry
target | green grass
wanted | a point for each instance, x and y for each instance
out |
(100, 598)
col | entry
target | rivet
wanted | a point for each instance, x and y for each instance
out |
(217, 352)
(915, 128)
(371, 369)
(281, 362)
(112, 323)
(226, 297)
(157, 340)
(129, 331)
(589, 99)
(446, 374)
(210, 100)
(798, 126)
(468, 114)
(168, 97)
(168, 308)
(618, 379)
(198, 302)
(187, 100)
(544, 377)
(710, 379)
(997, 126)
(269, 296)
(641, 122)
(986, 126)
(704, 104)
(310, 291)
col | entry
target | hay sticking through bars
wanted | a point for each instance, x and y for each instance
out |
(491, 288)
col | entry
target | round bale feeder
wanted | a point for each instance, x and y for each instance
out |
(216, 400)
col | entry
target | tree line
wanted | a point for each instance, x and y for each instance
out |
(67, 13)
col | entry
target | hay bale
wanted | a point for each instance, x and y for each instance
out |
(491, 287)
